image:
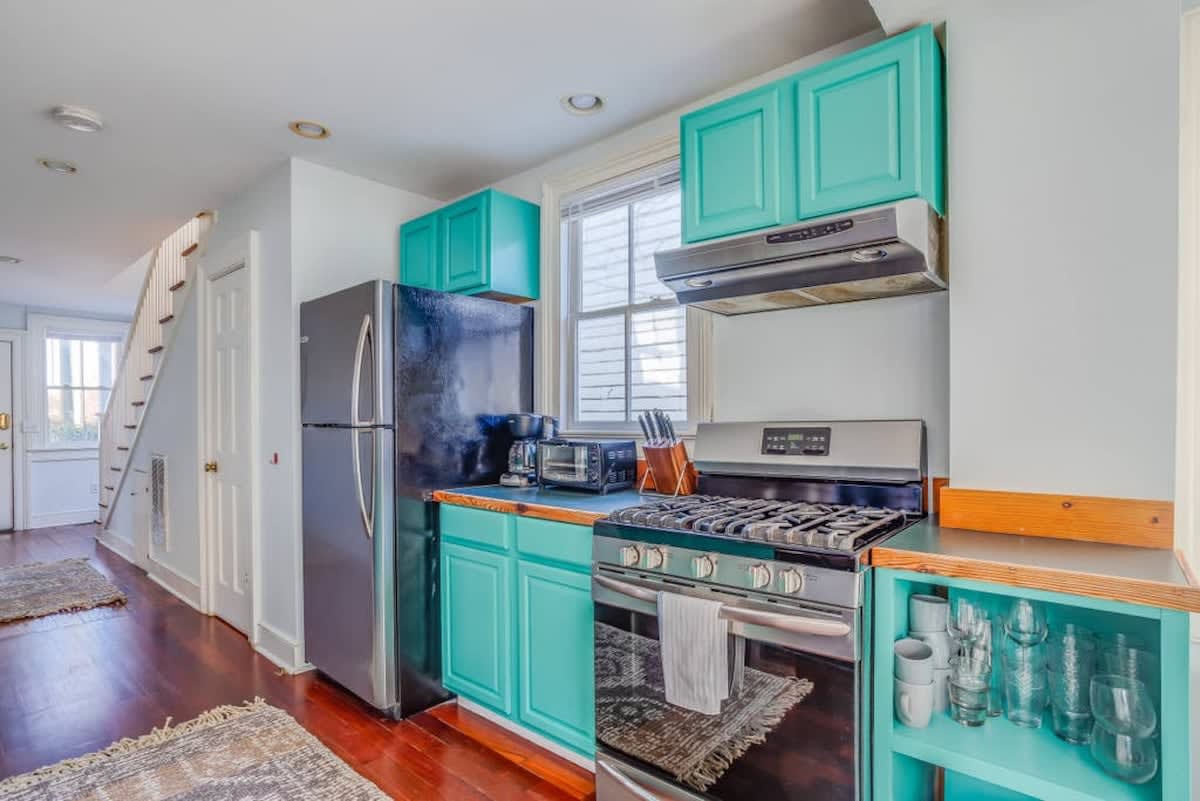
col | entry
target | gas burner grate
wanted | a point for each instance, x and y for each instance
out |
(790, 523)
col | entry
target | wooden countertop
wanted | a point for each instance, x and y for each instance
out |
(1148, 576)
(560, 505)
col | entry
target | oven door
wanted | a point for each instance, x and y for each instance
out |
(788, 731)
(562, 463)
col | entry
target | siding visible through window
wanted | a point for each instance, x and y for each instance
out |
(79, 379)
(629, 334)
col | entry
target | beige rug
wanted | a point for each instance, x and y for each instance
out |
(232, 753)
(43, 588)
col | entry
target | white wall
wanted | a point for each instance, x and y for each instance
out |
(1063, 128)
(63, 486)
(806, 363)
(12, 316)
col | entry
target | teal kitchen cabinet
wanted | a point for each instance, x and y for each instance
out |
(477, 625)
(737, 164)
(486, 244)
(869, 127)
(859, 130)
(554, 631)
(419, 253)
(517, 620)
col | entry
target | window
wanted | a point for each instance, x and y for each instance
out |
(628, 335)
(80, 371)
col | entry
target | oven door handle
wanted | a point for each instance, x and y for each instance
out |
(793, 624)
(635, 790)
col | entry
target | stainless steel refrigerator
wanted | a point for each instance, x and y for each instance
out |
(402, 391)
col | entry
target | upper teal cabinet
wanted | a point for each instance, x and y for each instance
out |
(486, 244)
(869, 127)
(737, 158)
(856, 131)
(419, 252)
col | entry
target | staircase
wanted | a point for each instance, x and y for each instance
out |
(163, 294)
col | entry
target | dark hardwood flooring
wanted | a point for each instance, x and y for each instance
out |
(73, 683)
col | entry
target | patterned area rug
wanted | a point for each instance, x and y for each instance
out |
(633, 716)
(233, 753)
(43, 588)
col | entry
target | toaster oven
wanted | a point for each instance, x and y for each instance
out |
(595, 466)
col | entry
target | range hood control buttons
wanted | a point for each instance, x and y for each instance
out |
(655, 558)
(703, 567)
(790, 581)
(760, 576)
(630, 555)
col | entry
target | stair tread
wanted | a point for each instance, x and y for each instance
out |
(115, 469)
(155, 349)
(165, 320)
(147, 377)
(176, 285)
(109, 487)
(138, 403)
(122, 447)
(190, 249)
(103, 506)
(131, 427)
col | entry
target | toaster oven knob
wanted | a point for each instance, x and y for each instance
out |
(760, 576)
(630, 555)
(703, 566)
(655, 558)
(791, 581)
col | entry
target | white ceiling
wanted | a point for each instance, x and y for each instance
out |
(436, 97)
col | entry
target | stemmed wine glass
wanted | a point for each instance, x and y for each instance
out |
(968, 623)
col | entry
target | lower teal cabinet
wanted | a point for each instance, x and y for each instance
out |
(554, 630)
(477, 625)
(517, 621)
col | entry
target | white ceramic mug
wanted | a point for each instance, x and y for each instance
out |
(927, 613)
(914, 704)
(942, 644)
(914, 661)
(941, 690)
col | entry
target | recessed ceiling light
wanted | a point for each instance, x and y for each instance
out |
(77, 118)
(309, 129)
(583, 103)
(9, 260)
(55, 165)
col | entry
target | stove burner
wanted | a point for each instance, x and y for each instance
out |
(802, 524)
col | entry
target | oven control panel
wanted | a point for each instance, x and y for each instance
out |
(811, 441)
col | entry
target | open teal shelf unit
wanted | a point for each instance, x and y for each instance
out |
(1003, 762)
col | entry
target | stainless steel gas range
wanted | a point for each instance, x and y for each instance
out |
(778, 535)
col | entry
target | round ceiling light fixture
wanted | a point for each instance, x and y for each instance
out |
(583, 103)
(59, 166)
(77, 118)
(309, 129)
(9, 260)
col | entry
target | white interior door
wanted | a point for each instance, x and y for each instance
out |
(229, 512)
(6, 437)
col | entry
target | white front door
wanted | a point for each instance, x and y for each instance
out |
(229, 511)
(6, 437)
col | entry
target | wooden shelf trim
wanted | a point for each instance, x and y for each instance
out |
(1121, 521)
(1094, 585)
(555, 513)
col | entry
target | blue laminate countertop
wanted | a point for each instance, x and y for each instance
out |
(563, 505)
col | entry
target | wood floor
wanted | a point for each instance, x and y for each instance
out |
(73, 683)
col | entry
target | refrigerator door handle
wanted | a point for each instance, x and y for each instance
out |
(367, 512)
(364, 336)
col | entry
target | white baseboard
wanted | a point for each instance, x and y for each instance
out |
(178, 585)
(524, 733)
(68, 518)
(280, 649)
(117, 545)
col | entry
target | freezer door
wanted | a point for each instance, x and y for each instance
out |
(349, 559)
(346, 356)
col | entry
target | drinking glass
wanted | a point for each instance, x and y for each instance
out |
(969, 682)
(1025, 695)
(1026, 621)
(1131, 662)
(966, 623)
(1130, 759)
(1070, 702)
(1123, 705)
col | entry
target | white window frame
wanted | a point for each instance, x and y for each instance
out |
(555, 338)
(42, 327)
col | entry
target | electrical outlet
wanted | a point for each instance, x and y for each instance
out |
(94, 489)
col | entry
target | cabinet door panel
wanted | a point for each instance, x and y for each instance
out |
(465, 244)
(736, 164)
(477, 625)
(419, 253)
(555, 629)
(859, 129)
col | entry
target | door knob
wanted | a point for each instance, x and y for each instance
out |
(4, 421)
(210, 467)
(3, 446)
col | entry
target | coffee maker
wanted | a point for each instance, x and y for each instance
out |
(526, 430)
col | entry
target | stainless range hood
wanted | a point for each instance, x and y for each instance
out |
(869, 253)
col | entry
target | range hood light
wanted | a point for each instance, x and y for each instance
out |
(699, 283)
(868, 255)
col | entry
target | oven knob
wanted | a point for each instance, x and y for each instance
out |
(703, 566)
(791, 581)
(655, 557)
(760, 576)
(630, 555)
